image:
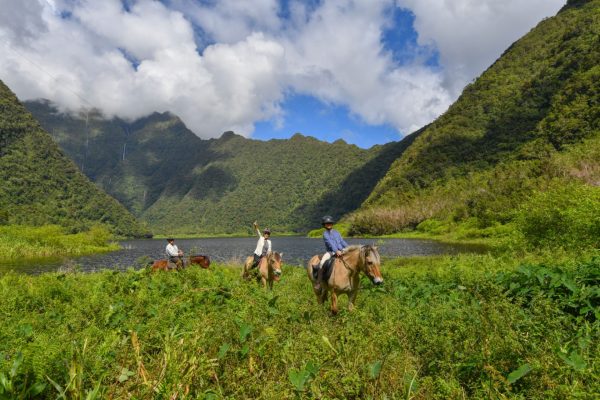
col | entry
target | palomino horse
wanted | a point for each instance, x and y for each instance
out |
(164, 264)
(345, 274)
(269, 268)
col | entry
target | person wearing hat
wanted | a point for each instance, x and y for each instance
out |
(263, 246)
(175, 255)
(334, 244)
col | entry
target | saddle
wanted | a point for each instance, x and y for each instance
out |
(327, 269)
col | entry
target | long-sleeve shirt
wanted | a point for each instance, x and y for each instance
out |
(172, 250)
(263, 246)
(333, 241)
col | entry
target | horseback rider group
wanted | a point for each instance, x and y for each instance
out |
(334, 245)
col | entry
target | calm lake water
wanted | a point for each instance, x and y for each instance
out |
(296, 251)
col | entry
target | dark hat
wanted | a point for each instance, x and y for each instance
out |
(170, 240)
(267, 230)
(327, 220)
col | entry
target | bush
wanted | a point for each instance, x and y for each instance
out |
(565, 215)
(433, 226)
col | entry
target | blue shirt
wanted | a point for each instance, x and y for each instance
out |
(333, 241)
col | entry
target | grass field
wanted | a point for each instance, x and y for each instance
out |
(471, 326)
(17, 241)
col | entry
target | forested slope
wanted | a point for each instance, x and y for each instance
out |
(40, 185)
(531, 119)
(179, 183)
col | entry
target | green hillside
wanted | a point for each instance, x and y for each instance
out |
(179, 183)
(529, 124)
(40, 185)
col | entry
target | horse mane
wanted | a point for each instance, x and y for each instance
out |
(364, 250)
(352, 248)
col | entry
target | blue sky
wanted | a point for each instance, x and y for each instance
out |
(312, 117)
(365, 71)
(328, 122)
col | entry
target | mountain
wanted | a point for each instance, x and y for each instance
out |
(506, 137)
(40, 185)
(179, 183)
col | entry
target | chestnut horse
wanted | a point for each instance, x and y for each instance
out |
(269, 268)
(164, 264)
(345, 274)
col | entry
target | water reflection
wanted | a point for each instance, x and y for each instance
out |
(296, 251)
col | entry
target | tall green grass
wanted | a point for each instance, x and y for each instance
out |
(472, 326)
(18, 241)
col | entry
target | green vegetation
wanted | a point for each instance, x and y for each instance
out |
(529, 124)
(41, 186)
(515, 162)
(18, 242)
(181, 184)
(471, 326)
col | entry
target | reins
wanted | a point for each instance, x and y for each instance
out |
(352, 272)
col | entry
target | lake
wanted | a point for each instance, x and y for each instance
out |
(296, 251)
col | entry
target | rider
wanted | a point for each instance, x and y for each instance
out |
(334, 243)
(175, 255)
(263, 246)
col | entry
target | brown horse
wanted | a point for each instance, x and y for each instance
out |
(269, 268)
(165, 265)
(345, 274)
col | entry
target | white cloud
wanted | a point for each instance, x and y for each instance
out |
(228, 64)
(471, 34)
(339, 57)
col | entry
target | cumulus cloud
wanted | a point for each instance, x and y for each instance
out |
(226, 65)
(471, 34)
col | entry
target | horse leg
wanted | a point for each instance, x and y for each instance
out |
(351, 299)
(334, 306)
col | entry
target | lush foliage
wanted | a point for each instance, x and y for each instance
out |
(507, 135)
(562, 216)
(41, 186)
(18, 241)
(180, 183)
(466, 327)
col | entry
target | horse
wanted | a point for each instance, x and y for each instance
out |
(345, 274)
(165, 265)
(269, 268)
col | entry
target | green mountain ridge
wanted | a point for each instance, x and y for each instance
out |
(40, 185)
(512, 131)
(179, 183)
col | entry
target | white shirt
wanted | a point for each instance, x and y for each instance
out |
(172, 250)
(261, 243)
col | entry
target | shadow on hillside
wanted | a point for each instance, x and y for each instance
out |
(353, 190)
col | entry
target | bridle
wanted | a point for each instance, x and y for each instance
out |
(271, 260)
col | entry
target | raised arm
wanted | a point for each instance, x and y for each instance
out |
(255, 225)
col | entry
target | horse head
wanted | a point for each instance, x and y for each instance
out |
(274, 261)
(371, 262)
(202, 260)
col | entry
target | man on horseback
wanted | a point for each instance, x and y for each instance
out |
(263, 246)
(173, 253)
(334, 244)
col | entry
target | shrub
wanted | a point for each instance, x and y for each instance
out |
(565, 215)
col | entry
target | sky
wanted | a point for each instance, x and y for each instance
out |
(365, 71)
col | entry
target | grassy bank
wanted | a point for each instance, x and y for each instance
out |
(472, 326)
(17, 241)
